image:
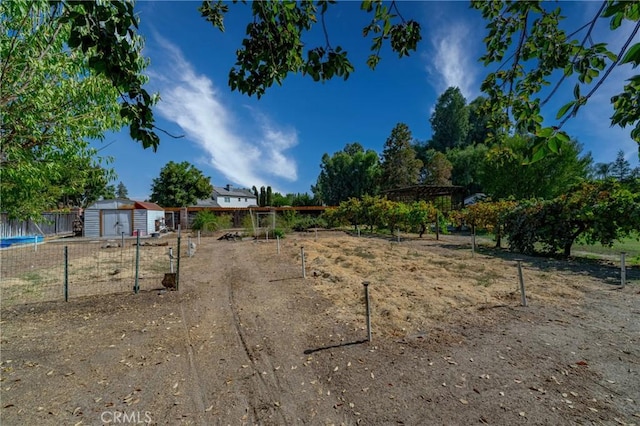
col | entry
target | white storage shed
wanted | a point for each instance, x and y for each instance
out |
(111, 218)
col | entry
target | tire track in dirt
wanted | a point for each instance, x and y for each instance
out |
(236, 275)
(196, 386)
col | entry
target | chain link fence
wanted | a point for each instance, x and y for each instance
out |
(62, 270)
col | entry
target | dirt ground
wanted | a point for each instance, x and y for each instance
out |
(247, 340)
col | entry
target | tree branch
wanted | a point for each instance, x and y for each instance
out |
(587, 36)
(604, 77)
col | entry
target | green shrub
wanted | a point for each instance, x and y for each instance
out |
(207, 221)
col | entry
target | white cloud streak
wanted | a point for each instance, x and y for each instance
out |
(451, 63)
(190, 100)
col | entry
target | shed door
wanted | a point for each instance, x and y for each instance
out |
(115, 222)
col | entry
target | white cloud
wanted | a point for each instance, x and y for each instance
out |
(451, 63)
(250, 156)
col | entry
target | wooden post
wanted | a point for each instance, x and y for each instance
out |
(623, 270)
(304, 272)
(523, 296)
(473, 240)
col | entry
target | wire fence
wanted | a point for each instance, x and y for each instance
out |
(64, 270)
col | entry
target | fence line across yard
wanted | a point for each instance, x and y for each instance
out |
(37, 273)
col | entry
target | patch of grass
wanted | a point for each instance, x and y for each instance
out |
(487, 278)
(33, 278)
(630, 245)
(360, 252)
(443, 263)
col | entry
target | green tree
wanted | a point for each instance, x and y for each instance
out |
(50, 107)
(480, 130)
(269, 196)
(602, 171)
(449, 121)
(532, 49)
(262, 200)
(304, 199)
(352, 172)
(621, 168)
(82, 183)
(180, 185)
(467, 165)
(121, 191)
(436, 168)
(504, 176)
(487, 215)
(399, 165)
(421, 214)
(109, 193)
(602, 211)
(280, 200)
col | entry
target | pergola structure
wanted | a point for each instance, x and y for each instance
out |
(445, 198)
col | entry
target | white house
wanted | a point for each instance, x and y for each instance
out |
(227, 196)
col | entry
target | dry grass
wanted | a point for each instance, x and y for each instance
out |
(417, 284)
(94, 267)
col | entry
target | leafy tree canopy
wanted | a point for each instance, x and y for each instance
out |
(503, 176)
(467, 165)
(352, 172)
(180, 185)
(50, 107)
(436, 168)
(601, 212)
(530, 48)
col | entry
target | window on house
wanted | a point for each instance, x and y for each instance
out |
(246, 200)
(239, 199)
(227, 199)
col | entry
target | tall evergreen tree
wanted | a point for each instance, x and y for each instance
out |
(449, 121)
(262, 201)
(269, 197)
(400, 167)
(121, 191)
(621, 168)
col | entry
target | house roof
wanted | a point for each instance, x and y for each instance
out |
(124, 204)
(144, 205)
(227, 191)
(208, 202)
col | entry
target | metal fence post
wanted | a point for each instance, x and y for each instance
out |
(304, 272)
(66, 273)
(178, 261)
(136, 286)
(366, 301)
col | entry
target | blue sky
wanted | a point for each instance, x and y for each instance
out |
(279, 139)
